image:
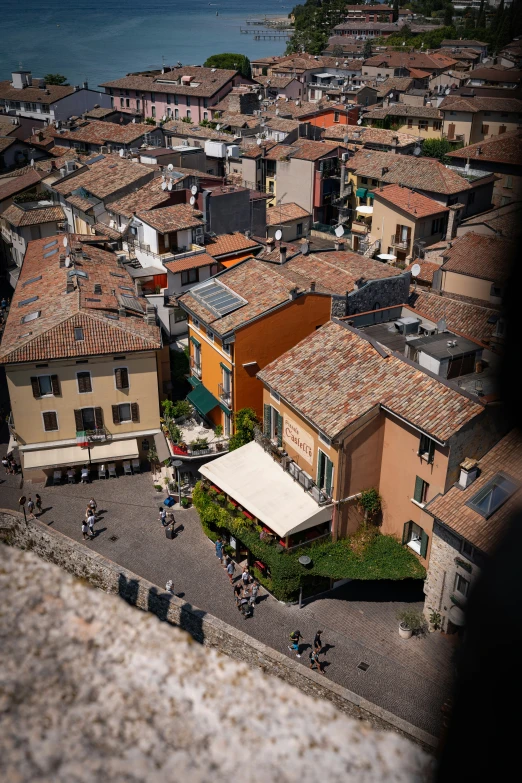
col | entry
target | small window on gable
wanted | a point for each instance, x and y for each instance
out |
(491, 497)
(97, 288)
(78, 333)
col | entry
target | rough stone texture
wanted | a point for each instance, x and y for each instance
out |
(91, 690)
(110, 577)
(442, 572)
(379, 293)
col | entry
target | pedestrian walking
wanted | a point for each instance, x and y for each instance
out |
(230, 571)
(315, 663)
(318, 645)
(3, 303)
(163, 515)
(169, 587)
(245, 576)
(91, 519)
(85, 530)
(238, 589)
(38, 501)
(255, 591)
(30, 506)
(93, 505)
(5, 463)
(219, 550)
(295, 637)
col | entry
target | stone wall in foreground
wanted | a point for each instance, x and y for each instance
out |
(100, 572)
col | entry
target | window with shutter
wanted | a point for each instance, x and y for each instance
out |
(408, 234)
(122, 378)
(135, 412)
(406, 532)
(98, 418)
(427, 448)
(267, 420)
(279, 429)
(50, 421)
(424, 544)
(78, 418)
(328, 477)
(116, 414)
(55, 384)
(35, 386)
(421, 490)
(84, 382)
(397, 233)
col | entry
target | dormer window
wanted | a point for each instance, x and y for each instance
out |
(78, 333)
(491, 497)
(31, 317)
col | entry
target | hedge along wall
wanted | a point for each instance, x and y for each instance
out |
(366, 555)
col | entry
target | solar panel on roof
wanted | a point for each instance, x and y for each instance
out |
(51, 244)
(94, 160)
(31, 280)
(50, 253)
(217, 297)
(27, 301)
(131, 303)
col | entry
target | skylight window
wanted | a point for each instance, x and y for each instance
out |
(78, 333)
(78, 273)
(217, 297)
(112, 317)
(50, 253)
(97, 288)
(31, 280)
(31, 317)
(50, 244)
(115, 274)
(491, 497)
(27, 301)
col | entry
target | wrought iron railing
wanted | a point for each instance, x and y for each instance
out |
(225, 395)
(195, 367)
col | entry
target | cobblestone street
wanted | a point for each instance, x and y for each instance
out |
(408, 678)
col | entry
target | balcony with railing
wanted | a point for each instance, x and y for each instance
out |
(195, 368)
(300, 476)
(96, 435)
(225, 395)
(400, 244)
(358, 227)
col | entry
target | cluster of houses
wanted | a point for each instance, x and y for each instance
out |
(288, 233)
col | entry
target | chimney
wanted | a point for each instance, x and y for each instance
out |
(292, 294)
(85, 85)
(282, 254)
(312, 285)
(338, 245)
(453, 222)
(468, 472)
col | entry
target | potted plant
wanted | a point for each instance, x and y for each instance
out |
(158, 487)
(185, 502)
(410, 622)
(218, 430)
(435, 620)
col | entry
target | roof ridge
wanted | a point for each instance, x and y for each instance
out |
(119, 324)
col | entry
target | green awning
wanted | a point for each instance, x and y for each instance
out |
(370, 194)
(194, 381)
(361, 192)
(202, 399)
(194, 341)
(225, 368)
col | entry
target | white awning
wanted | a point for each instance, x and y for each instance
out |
(117, 449)
(364, 210)
(252, 478)
(55, 458)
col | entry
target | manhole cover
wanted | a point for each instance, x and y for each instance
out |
(113, 538)
(363, 666)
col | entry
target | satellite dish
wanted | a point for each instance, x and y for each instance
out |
(164, 186)
(260, 97)
(441, 325)
(339, 231)
(194, 190)
(359, 122)
(415, 270)
(218, 126)
(259, 142)
(192, 201)
(417, 151)
(169, 186)
(68, 261)
(65, 241)
(170, 167)
(122, 152)
(278, 234)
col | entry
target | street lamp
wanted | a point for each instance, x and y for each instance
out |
(177, 463)
(306, 562)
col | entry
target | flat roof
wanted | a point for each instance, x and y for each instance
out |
(260, 485)
(436, 345)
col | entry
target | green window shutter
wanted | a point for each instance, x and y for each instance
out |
(279, 429)
(424, 544)
(431, 450)
(417, 495)
(406, 531)
(225, 368)
(195, 342)
(328, 477)
(266, 420)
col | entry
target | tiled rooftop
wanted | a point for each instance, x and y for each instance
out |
(479, 103)
(206, 82)
(505, 148)
(51, 94)
(105, 176)
(403, 110)
(145, 197)
(415, 204)
(452, 508)
(365, 135)
(335, 376)
(427, 268)
(336, 271)
(11, 185)
(285, 213)
(428, 62)
(423, 173)
(17, 216)
(504, 221)
(185, 129)
(469, 320)
(229, 243)
(484, 257)
(51, 335)
(190, 262)
(398, 83)
(173, 218)
(99, 132)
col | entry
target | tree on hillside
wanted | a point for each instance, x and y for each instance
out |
(481, 18)
(367, 51)
(395, 10)
(448, 15)
(55, 78)
(230, 61)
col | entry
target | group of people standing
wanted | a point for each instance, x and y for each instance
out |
(10, 466)
(89, 521)
(295, 646)
(246, 590)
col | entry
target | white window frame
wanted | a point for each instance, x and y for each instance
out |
(78, 384)
(456, 588)
(326, 456)
(119, 366)
(195, 323)
(49, 394)
(227, 426)
(57, 420)
(415, 543)
(226, 348)
(210, 334)
(120, 406)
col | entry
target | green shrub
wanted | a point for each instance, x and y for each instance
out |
(158, 487)
(221, 498)
(185, 502)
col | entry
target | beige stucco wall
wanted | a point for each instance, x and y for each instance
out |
(494, 122)
(424, 133)
(386, 218)
(27, 410)
(462, 122)
(295, 182)
(466, 285)
(399, 467)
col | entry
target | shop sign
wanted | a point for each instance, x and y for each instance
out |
(299, 439)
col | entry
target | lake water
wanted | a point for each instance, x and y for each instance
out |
(104, 39)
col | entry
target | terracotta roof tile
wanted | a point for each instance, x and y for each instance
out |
(52, 93)
(285, 213)
(470, 320)
(354, 378)
(428, 62)
(476, 255)
(206, 81)
(452, 508)
(336, 271)
(415, 204)
(99, 132)
(105, 177)
(9, 186)
(51, 334)
(190, 262)
(365, 135)
(504, 221)
(174, 218)
(427, 270)
(17, 216)
(229, 243)
(478, 103)
(505, 148)
(144, 198)
(402, 110)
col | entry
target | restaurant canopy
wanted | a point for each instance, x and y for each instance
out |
(254, 480)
